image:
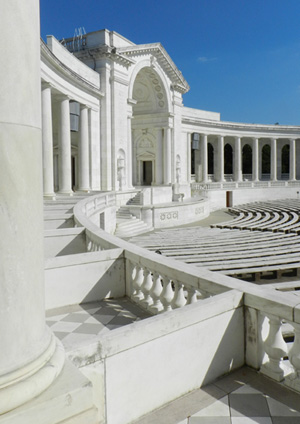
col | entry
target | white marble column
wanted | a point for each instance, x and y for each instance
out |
(159, 157)
(292, 176)
(83, 150)
(30, 356)
(135, 178)
(237, 159)
(64, 148)
(167, 156)
(188, 156)
(255, 160)
(204, 158)
(273, 159)
(47, 141)
(129, 153)
(221, 158)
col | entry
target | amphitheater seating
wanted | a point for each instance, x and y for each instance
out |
(261, 241)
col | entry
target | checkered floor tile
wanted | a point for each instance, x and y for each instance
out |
(245, 406)
(78, 324)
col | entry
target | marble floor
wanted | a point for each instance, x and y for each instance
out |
(243, 397)
(82, 324)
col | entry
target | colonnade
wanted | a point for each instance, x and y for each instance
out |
(64, 144)
(256, 144)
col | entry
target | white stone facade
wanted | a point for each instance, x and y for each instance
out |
(132, 127)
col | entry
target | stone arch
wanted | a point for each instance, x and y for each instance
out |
(210, 158)
(247, 159)
(228, 159)
(147, 65)
(266, 159)
(285, 159)
(150, 95)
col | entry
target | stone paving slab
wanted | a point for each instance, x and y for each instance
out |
(76, 325)
(242, 397)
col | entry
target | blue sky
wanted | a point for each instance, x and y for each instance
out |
(240, 57)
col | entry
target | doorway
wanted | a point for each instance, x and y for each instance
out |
(147, 172)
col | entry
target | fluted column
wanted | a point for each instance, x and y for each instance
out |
(221, 158)
(47, 141)
(29, 353)
(292, 160)
(273, 159)
(237, 159)
(83, 151)
(255, 160)
(204, 159)
(167, 156)
(64, 146)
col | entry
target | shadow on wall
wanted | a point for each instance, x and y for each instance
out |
(86, 277)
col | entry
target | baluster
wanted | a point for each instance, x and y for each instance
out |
(89, 246)
(293, 380)
(137, 284)
(146, 287)
(178, 299)
(167, 293)
(132, 275)
(192, 295)
(155, 293)
(276, 349)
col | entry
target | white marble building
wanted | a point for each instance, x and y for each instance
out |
(132, 128)
(109, 119)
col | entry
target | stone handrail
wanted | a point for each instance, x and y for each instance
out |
(242, 184)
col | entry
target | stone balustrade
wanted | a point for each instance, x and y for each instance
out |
(231, 185)
(157, 292)
(159, 284)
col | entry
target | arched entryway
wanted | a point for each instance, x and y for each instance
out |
(247, 161)
(266, 162)
(285, 162)
(228, 160)
(210, 159)
(151, 132)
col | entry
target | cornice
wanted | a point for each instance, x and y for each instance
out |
(282, 130)
(106, 52)
(66, 71)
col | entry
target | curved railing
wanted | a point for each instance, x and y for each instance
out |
(161, 284)
(157, 283)
(231, 185)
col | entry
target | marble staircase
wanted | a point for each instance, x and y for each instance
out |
(129, 225)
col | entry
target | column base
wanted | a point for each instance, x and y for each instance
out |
(69, 400)
(49, 196)
(25, 384)
(66, 192)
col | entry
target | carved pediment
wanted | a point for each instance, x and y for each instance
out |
(160, 55)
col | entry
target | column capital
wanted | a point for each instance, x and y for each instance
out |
(46, 84)
(83, 106)
(62, 96)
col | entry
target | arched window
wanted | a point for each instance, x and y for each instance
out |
(266, 159)
(210, 158)
(285, 159)
(247, 159)
(228, 159)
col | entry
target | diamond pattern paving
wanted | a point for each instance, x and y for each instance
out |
(78, 324)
